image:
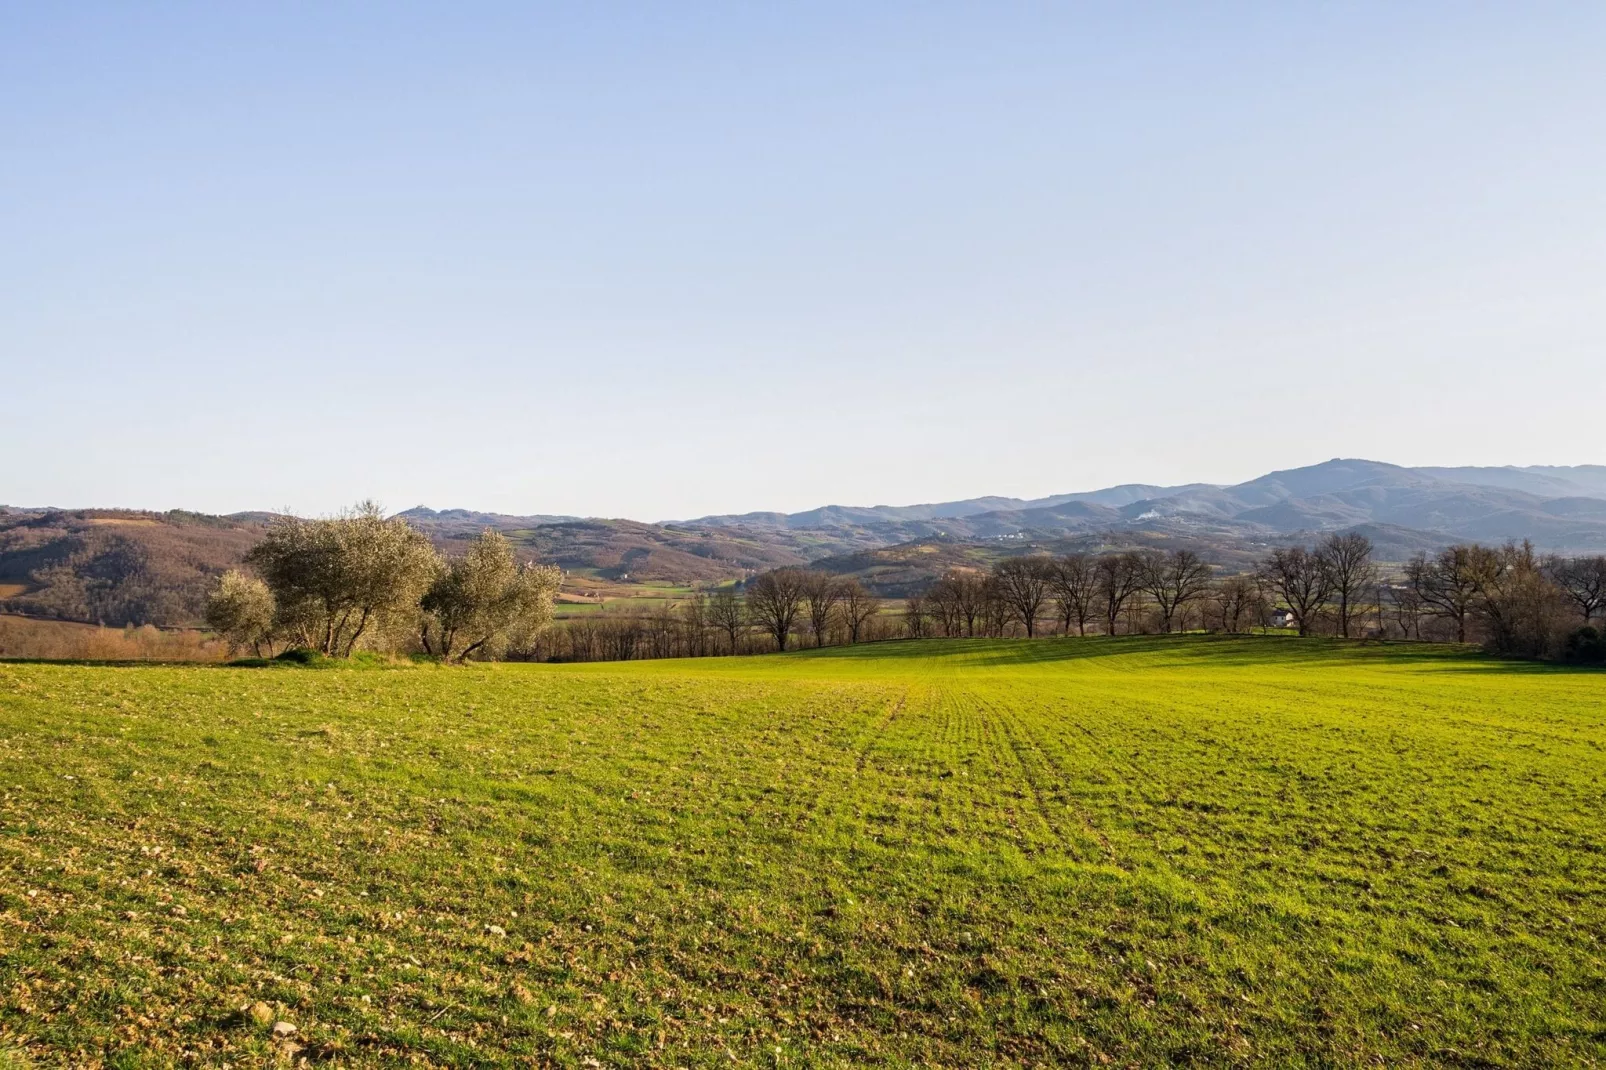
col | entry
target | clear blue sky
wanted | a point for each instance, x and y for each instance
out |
(662, 260)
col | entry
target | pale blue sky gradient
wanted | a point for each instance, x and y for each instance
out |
(662, 260)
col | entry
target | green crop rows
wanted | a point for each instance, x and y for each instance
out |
(969, 853)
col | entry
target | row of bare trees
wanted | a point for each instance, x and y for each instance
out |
(1509, 598)
(775, 599)
(1506, 597)
(1078, 591)
(769, 613)
(1337, 573)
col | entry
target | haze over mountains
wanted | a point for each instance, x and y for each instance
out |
(1342, 492)
(119, 566)
(1401, 509)
(1561, 508)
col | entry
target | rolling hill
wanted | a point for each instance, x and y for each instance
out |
(1559, 508)
(133, 567)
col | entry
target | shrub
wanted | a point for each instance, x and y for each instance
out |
(1587, 646)
(241, 610)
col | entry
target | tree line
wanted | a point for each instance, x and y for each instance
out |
(773, 611)
(361, 581)
(1508, 598)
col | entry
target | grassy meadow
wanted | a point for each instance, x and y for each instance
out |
(945, 853)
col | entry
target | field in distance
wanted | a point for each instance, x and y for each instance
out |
(966, 853)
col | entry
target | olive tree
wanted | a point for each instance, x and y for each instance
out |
(483, 600)
(241, 610)
(337, 578)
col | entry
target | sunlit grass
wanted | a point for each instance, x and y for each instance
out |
(956, 853)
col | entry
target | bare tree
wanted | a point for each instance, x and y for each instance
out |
(822, 591)
(1074, 582)
(1405, 606)
(694, 624)
(1519, 606)
(1236, 599)
(943, 602)
(995, 616)
(1582, 580)
(1023, 586)
(970, 594)
(774, 599)
(1300, 579)
(621, 637)
(1118, 577)
(726, 613)
(659, 629)
(858, 606)
(1173, 580)
(1447, 584)
(914, 616)
(1347, 559)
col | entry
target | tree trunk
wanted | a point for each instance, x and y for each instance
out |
(362, 626)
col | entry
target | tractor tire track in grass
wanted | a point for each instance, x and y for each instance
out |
(877, 733)
(1041, 776)
(1028, 743)
(895, 856)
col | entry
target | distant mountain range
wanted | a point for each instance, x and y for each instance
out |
(1368, 486)
(1558, 507)
(1401, 509)
(119, 566)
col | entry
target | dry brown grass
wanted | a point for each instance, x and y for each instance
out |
(25, 637)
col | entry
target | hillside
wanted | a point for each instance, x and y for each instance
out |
(1559, 508)
(618, 549)
(1126, 852)
(130, 567)
(116, 567)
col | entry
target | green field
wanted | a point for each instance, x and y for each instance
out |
(965, 853)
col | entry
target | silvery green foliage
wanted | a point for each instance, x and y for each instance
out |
(483, 601)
